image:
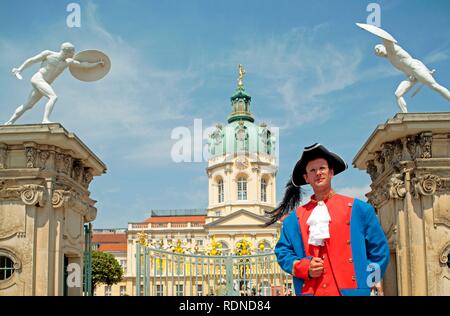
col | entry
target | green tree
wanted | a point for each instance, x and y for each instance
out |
(105, 269)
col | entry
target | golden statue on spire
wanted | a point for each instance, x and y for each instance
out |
(241, 76)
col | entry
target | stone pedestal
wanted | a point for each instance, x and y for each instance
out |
(408, 160)
(45, 173)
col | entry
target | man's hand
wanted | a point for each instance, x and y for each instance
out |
(315, 267)
(16, 72)
(377, 289)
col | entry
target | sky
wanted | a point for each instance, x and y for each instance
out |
(310, 71)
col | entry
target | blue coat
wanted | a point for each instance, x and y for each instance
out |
(368, 246)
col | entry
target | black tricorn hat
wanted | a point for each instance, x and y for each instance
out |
(313, 152)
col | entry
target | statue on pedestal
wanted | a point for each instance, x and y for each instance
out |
(414, 69)
(87, 66)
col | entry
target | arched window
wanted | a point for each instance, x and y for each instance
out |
(220, 191)
(242, 189)
(264, 246)
(6, 268)
(225, 248)
(242, 141)
(263, 190)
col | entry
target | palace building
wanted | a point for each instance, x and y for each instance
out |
(241, 171)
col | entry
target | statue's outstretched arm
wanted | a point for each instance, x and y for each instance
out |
(82, 64)
(388, 44)
(33, 60)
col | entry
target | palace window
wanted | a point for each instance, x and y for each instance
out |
(242, 140)
(123, 263)
(220, 191)
(6, 268)
(123, 290)
(107, 290)
(179, 290)
(199, 242)
(263, 190)
(242, 189)
(199, 290)
(159, 289)
(225, 248)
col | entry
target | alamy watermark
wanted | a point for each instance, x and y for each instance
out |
(74, 17)
(73, 275)
(375, 274)
(374, 18)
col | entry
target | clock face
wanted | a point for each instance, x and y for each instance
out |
(241, 163)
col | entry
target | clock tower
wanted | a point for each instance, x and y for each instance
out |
(242, 162)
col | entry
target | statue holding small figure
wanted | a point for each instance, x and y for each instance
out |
(52, 65)
(241, 76)
(415, 70)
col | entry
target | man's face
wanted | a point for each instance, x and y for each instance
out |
(318, 175)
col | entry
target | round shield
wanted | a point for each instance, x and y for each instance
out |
(90, 73)
(377, 31)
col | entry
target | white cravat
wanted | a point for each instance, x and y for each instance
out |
(318, 222)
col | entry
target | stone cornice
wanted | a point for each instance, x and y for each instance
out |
(403, 125)
(44, 161)
(30, 194)
(55, 135)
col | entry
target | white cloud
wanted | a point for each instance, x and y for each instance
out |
(299, 72)
(131, 107)
(437, 56)
(153, 154)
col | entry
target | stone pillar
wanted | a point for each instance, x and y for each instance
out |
(45, 173)
(408, 160)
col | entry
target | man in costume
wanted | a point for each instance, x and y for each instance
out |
(333, 245)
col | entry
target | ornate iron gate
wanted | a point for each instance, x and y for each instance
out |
(165, 273)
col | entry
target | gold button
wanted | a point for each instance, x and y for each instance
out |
(347, 222)
(353, 278)
(348, 242)
(350, 260)
(324, 285)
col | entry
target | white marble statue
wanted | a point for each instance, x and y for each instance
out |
(414, 69)
(52, 65)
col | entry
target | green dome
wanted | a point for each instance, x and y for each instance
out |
(241, 137)
(241, 94)
(240, 106)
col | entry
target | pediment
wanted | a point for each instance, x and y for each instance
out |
(239, 218)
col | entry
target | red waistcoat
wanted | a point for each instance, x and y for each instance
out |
(339, 271)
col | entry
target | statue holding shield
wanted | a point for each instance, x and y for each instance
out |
(87, 66)
(414, 69)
